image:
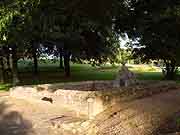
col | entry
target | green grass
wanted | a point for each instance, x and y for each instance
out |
(4, 87)
(49, 72)
(79, 72)
(150, 76)
(147, 72)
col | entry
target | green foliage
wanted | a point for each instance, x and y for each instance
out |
(89, 30)
(123, 56)
(154, 25)
(54, 21)
(80, 29)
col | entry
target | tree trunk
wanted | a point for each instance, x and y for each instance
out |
(61, 59)
(170, 70)
(9, 69)
(15, 78)
(35, 59)
(67, 63)
(173, 70)
(8, 62)
(2, 75)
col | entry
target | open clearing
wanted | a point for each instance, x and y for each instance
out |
(51, 73)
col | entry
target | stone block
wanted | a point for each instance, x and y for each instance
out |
(86, 101)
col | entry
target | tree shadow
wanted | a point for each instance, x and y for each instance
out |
(171, 125)
(12, 122)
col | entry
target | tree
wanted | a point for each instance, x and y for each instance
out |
(154, 25)
(2, 71)
(85, 29)
(124, 55)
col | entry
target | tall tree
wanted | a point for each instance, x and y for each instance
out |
(154, 24)
(85, 27)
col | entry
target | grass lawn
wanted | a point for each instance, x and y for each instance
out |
(5, 87)
(150, 76)
(79, 72)
(49, 72)
(147, 72)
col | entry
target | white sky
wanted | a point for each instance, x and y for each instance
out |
(123, 41)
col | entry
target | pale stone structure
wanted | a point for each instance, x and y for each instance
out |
(124, 78)
(86, 98)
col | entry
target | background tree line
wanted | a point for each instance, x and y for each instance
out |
(87, 30)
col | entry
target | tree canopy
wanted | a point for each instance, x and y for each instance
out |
(155, 25)
(89, 30)
(79, 29)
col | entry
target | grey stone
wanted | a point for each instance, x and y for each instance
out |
(124, 78)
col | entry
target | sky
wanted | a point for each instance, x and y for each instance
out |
(124, 40)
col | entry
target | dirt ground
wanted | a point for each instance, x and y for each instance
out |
(20, 117)
(141, 116)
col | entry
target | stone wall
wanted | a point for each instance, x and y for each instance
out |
(88, 98)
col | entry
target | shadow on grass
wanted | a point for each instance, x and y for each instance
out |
(12, 122)
(58, 77)
(150, 76)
